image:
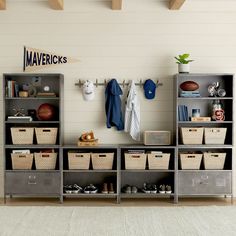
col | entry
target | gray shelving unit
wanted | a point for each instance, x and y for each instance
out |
(206, 182)
(32, 183)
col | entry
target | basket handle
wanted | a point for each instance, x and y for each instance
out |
(102, 155)
(215, 130)
(192, 130)
(45, 155)
(158, 156)
(46, 130)
(190, 156)
(22, 130)
(214, 155)
(77, 155)
(22, 156)
(135, 156)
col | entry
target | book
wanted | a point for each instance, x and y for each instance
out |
(201, 118)
(19, 118)
(21, 151)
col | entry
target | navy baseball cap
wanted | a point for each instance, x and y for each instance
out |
(149, 89)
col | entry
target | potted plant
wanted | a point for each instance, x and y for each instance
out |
(183, 63)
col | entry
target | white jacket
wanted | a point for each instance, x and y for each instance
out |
(132, 113)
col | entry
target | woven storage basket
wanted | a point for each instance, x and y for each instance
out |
(214, 161)
(45, 161)
(22, 135)
(192, 135)
(135, 161)
(190, 161)
(22, 161)
(159, 161)
(78, 161)
(215, 135)
(46, 135)
(102, 161)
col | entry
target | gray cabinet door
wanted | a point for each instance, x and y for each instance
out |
(204, 182)
(32, 183)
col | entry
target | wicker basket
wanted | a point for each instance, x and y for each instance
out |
(102, 161)
(215, 135)
(192, 135)
(22, 135)
(158, 161)
(190, 161)
(46, 135)
(135, 161)
(78, 161)
(22, 161)
(214, 161)
(45, 161)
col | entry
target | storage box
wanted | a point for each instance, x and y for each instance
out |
(45, 161)
(22, 161)
(157, 137)
(192, 135)
(215, 135)
(158, 161)
(135, 161)
(190, 161)
(214, 161)
(78, 161)
(102, 161)
(22, 135)
(46, 135)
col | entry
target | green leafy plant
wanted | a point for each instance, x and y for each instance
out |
(182, 59)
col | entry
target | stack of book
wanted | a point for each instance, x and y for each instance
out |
(12, 89)
(190, 94)
(183, 113)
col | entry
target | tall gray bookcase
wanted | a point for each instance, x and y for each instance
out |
(31, 182)
(205, 182)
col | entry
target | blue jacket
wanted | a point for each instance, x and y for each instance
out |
(113, 105)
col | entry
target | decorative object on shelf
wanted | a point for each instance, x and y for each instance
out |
(88, 90)
(46, 112)
(218, 113)
(201, 119)
(157, 137)
(32, 113)
(19, 112)
(183, 63)
(46, 92)
(23, 94)
(149, 89)
(162, 189)
(87, 139)
(189, 86)
(195, 112)
(214, 90)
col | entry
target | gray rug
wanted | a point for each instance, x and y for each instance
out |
(112, 221)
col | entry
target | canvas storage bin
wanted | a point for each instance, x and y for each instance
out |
(135, 161)
(102, 161)
(192, 135)
(22, 135)
(158, 161)
(189, 161)
(21, 161)
(45, 161)
(215, 135)
(46, 135)
(214, 161)
(78, 161)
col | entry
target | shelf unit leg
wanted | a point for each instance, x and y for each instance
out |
(232, 199)
(61, 199)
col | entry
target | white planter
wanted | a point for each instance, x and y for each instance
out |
(184, 68)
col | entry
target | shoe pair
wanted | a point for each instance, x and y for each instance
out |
(149, 188)
(130, 189)
(108, 188)
(165, 189)
(72, 188)
(90, 189)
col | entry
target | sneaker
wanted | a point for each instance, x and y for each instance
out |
(168, 189)
(126, 189)
(68, 189)
(162, 189)
(105, 188)
(134, 189)
(146, 188)
(90, 189)
(76, 189)
(111, 189)
(153, 188)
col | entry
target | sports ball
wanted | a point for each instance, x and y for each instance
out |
(189, 86)
(46, 112)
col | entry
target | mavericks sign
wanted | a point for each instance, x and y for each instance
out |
(37, 59)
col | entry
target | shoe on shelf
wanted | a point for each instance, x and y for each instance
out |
(168, 189)
(134, 189)
(68, 188)
(162, 189)
(105, 188)
(153, 188)
(90, 189)
(146, 188)
(111, 188)
(76, 189)
(126, 189)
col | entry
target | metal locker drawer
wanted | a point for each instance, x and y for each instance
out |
(204, 182)
(32, 183)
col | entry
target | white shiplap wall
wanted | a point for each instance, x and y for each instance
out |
(135, 43)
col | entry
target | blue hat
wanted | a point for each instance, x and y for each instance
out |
(149, 89)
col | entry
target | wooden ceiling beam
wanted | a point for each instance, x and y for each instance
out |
(176, 4)
(56, 4)
(2, 4)
(116, 4)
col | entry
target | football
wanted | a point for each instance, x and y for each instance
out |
(189, 86)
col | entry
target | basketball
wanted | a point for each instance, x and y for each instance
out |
(46, 112)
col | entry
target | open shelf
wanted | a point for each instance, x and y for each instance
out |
(147, 195)
(92, 195)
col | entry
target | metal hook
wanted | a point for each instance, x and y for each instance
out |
(96, 83)
(105, 82)
(123, 83)
(141, 83)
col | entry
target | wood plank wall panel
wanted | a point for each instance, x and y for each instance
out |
(136, 43)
